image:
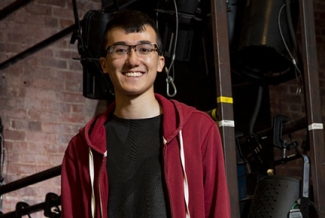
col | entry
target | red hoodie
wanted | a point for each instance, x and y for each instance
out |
(193, 165)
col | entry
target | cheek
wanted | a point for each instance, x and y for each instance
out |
(114, 64)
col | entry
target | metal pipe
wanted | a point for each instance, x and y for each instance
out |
(224, 89)
(289, 127)
(46, 206)
(29, 180)
(25, 211)
(37, 47)
(12, 7)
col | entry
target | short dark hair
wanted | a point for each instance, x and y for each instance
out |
(132, 22)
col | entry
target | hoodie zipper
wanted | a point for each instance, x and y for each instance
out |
(165, 177)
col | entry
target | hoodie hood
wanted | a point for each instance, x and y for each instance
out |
(175, 116)
(94, 131)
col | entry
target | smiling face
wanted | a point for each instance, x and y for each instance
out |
(132, 75)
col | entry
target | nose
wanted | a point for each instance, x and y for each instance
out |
(132, 57)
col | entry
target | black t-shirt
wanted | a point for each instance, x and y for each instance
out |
(134, 165)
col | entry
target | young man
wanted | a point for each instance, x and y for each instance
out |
(146, 156)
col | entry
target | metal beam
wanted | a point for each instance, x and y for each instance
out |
(37, 47)
(29, 180)
(224, 98)
(313, 107)
(12, 7)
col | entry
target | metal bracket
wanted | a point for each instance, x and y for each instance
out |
(52, 200)
(19, 209)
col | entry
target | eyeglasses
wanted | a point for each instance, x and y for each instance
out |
(143, 50)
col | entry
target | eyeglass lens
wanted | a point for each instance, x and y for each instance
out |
(142, 50)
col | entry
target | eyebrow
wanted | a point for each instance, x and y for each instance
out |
(140, 42)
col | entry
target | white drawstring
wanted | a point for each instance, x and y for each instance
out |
(91, 173)
(186, 189)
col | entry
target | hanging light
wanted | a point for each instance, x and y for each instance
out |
(266, 43)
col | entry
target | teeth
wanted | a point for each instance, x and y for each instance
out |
(133, 74)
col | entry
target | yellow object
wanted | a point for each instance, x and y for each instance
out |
(224, 99)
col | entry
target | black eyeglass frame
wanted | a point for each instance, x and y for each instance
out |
(108, 49)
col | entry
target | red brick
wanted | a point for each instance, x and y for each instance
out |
(64, 139)
(71, 97)
(40, 136)
(76, 108)
(56, 181)
(73, 86)
(62, 13)
(51, 149)
(38, 9)
(41, 72)
(51, 22)
(71, 76)
(48, 116)
(75, 65)
(14, 135)
(55, 63)
(63, 54)
(72, 118)
(19, 124)
(35, 126)
(63, 43)
(90, 5)
(38, 146)
(14, 102)
(36, 159)
(49, 84)
(34, 114)
(22, 169)
(64, 23)
(56, 128)
(56, 159)
(59, 4)
(63, 146)
(46, 187)
(61, 107)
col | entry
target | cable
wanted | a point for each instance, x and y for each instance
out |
(290, 25)
(285, 44)
(2, 160)
(2, 153)
(256, 110)
(170, 79)
(76, 18)
(176, 36)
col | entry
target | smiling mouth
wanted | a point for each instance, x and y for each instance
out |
(132, 74)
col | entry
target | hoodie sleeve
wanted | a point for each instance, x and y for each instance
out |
(73, 190)
(216, 194)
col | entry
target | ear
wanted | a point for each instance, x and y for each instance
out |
(103, 64)
(161, 63)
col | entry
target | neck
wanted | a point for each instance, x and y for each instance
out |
(137, 107)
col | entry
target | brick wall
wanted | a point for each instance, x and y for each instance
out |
(41, 102)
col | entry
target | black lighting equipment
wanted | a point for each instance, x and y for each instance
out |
(89, 33)
(235, 10)
(179, 21)
(182, 24)
(266, 49)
